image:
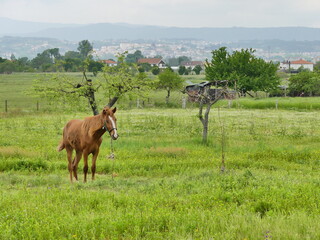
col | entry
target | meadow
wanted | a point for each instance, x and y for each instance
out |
(164, 183)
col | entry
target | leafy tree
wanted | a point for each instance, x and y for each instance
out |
(145, 67)
(7, 67)
(305, 84)
(72, 64)
(85, 47)
(172, 61)
(182, 70)
(24, 61)
(66, 90)
(117, 81)
(55, 54)
(197, 69)
(183, 59)
(63, 88)
(134, 57)
(188, 71)
(95, 67)
(141, 69)
(72, 55)
(244, 71)
(316, 67)
(17, 65)
(124, 79)
(155, 70)
(177, 61)
(23, 64)
(42, 61)
(169, 81)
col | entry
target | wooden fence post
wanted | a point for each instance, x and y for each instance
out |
(6, 105)
(37, 105)
(184, 102)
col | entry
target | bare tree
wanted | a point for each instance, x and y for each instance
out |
(206, 98)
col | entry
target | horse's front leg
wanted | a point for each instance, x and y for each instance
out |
(75, 163)
(94, 159)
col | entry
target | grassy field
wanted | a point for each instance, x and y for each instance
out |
(164, 183)
(13, 88)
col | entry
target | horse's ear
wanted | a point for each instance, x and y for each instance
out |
(114, 110)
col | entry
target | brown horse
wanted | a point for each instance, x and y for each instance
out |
(85, 137)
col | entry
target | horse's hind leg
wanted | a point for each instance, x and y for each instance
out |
(85, 167)
(94, 159)
(69, 155)
(75, 163)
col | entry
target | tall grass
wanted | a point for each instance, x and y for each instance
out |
(165, 184)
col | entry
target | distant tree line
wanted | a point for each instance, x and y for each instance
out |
(51, 60)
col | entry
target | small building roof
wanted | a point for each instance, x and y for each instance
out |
(301, 61)
(108, 61)
(150, 60)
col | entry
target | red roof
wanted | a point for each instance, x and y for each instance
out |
(108, 61)
(150, 60)
(301, 62)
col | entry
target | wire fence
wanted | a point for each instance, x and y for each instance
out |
(11, 105)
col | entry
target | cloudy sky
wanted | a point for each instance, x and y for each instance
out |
(181, 13)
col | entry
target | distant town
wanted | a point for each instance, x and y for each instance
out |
(196, 50)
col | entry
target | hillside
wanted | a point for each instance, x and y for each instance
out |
(102, 31)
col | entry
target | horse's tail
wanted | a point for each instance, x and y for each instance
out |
(61, 146)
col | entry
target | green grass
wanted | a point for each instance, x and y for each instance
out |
(166, 184)
(13, 88)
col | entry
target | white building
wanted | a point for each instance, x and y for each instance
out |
(295, 65)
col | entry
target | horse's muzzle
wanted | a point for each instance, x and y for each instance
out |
(114, 136)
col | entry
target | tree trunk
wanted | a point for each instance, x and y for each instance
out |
(112, 101)
(92, 102)
(205, 121)
(168, 96)
(90, 94)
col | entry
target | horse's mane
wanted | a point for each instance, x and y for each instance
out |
(92, 124)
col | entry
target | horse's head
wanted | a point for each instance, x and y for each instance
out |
(110, 122)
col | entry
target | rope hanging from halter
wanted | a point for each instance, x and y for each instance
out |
(112, 149)
(112, 158)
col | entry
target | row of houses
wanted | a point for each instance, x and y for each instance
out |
(157, 62)
(286, 65)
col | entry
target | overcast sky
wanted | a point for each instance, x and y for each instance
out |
(180, 13)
